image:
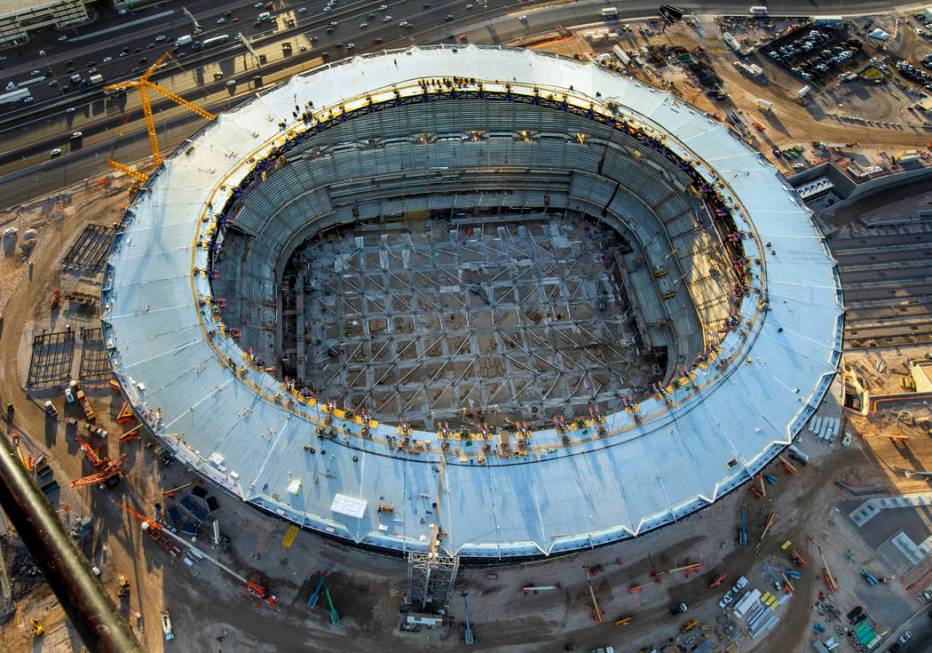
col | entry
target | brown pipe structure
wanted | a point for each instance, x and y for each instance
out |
(102, 628)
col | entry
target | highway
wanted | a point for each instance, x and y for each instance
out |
(116, 129)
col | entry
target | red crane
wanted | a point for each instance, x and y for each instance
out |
(110, 471)
(106, 469)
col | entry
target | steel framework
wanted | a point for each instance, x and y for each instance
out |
(431, 577)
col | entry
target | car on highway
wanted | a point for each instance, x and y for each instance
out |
(404, 23)
(363, 25)
(334, 23)
(328, 8)
(383, 7)
(221, 20)
(55, 153)
(386, 19)
(258, 5)
(35, 72)
(469, 6)
(106, 60)
(448, 18)
(349, 46)
(302, 10)
(161, 37)
(70, 110)
(378, 41)
(76, 135)
(62, 37)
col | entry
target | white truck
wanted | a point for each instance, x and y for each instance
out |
(167, 626)
(181, 41)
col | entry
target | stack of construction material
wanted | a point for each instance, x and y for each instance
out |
(825, 428)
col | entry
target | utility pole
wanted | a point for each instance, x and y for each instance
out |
(187, 13)
(467, 634)
(252, 51)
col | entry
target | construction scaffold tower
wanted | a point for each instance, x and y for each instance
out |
(431, 575)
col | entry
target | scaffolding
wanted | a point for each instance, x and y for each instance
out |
(431, 575)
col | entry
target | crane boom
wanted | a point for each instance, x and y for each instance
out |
(119, 86)
(109, 471)
(177, 99)
(132, 172)
(150, 126)
(143, 84)
(151, 70)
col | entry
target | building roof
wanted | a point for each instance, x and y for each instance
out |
(179, 369)
(16, 7)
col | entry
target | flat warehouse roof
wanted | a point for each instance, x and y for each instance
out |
(376, 484)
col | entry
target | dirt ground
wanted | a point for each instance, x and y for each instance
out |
(896, 126)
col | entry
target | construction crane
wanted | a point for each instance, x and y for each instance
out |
(688, 568)
(827, 574)
(250, 585)
(106, 469)
(110, 471)
(771, 518)
(132, 172)
(323, 590)
(144, 86)
(718, 580)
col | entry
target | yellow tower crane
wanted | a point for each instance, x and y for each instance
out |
(144, 85)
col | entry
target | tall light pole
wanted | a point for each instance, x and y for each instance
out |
(467, 633)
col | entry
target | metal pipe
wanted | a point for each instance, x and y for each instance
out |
(93, 614)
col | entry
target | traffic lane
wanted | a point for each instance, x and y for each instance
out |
(433, 16)
(32, 133)
(142, 43)
(211, 93)
(132, 63)
(122, 67)
(180, 24)
(91, 167)
(90, 162)
(206, 11)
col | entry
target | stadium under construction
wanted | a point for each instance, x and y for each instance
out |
(507, 303)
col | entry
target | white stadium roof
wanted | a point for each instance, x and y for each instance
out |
(680, 456)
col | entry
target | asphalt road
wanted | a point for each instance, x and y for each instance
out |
(30, 132)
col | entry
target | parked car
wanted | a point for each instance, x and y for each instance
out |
(728, 598)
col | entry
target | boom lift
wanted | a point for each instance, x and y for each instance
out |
(251, 585)
(144, 85)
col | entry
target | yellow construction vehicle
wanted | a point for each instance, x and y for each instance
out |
(689, 625)
(38, 630)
